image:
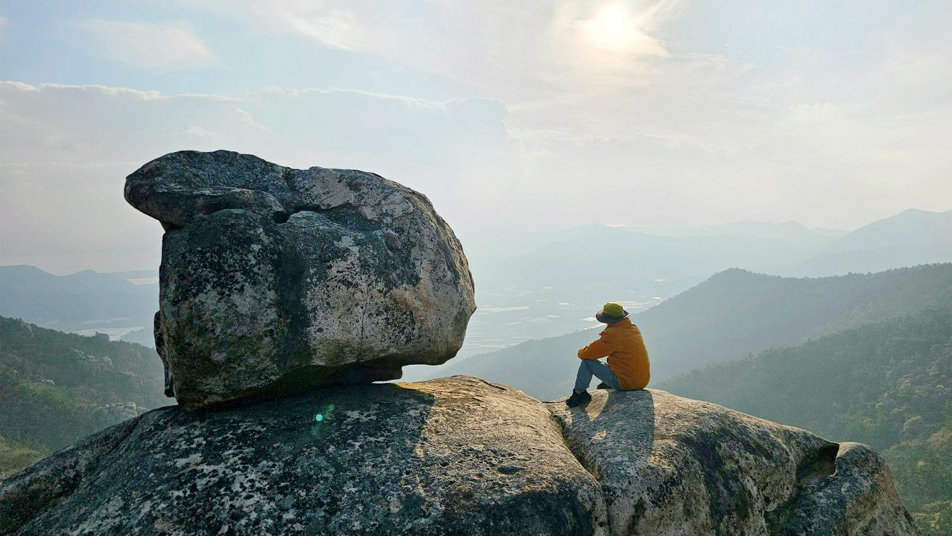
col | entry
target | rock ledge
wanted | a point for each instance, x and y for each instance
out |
(455, 456)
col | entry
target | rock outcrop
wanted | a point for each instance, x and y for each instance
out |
(458, 456)
(454, 456)
(672, 465)
(275, 278)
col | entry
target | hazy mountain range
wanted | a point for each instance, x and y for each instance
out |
(909, 238)
(536, 285)
(84, 302)
(730, 315)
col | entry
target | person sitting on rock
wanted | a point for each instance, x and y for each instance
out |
(627, 366)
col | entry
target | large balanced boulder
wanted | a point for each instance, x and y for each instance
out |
(275, 278)
(455, 456)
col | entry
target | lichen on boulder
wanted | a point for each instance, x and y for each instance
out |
(273, 278)
(672, 465)
(453, 456)
(456, 456)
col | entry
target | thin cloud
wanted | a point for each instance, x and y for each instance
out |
(564, 66)
(160, 46)
(334, 27)
(72, 146)
(567, 66)
(521, 51)
(700, 112)
(248, 119)
(338, 25)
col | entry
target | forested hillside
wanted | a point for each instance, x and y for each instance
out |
(888, 384)
(57, 387)
(730, 315)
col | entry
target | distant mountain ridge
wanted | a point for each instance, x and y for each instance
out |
(912, 227)
(84, 300)
(792, 229)
(535, 285)
(909, 238)
(730, 315)
(532, 285)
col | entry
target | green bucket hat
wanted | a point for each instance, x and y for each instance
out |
(611, 312)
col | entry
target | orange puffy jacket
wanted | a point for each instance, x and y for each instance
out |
(627, 357)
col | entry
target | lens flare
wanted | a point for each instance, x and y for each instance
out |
(324, 414)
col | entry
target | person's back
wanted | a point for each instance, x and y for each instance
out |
(621, 342)
(628, 359)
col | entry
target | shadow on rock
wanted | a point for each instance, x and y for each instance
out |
(638, 435)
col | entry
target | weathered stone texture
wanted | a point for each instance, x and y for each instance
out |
(455, 456)
(275, 278)
(858, 499)
(675, 466)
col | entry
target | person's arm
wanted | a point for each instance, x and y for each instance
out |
(596, 349)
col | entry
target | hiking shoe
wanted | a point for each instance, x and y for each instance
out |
(603, 385)
(577, 399)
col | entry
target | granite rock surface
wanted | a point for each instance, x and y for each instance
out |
(455, 456)
(674, 466)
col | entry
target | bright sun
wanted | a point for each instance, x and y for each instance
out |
(614, 19)
(616, 31)
(612, 28)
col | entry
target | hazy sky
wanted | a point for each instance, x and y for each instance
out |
(529, 114)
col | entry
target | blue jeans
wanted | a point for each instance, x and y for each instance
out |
(593, 367)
